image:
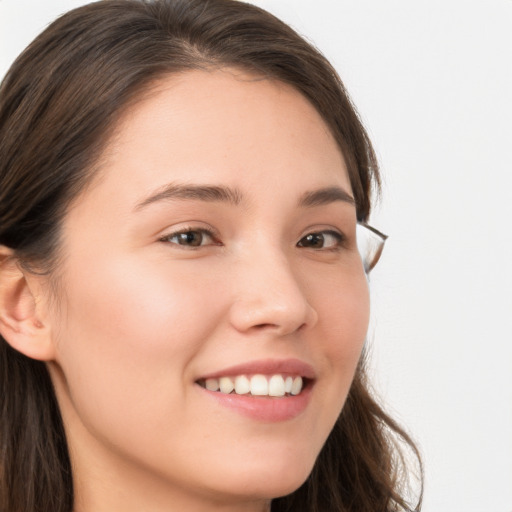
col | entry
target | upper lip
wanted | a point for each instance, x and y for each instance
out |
(294, 367)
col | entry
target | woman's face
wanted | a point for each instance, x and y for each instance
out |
(216, 242)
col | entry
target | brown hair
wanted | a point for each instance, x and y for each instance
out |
(58, 104)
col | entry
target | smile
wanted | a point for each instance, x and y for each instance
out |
(265, 390)
(276, 385)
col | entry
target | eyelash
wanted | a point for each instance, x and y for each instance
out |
(182, 232)
(339, 238)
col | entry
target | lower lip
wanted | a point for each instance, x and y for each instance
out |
(264, 408)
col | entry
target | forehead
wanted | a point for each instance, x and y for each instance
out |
(222, 126)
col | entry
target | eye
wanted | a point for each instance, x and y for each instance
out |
(191, 238)
(322, 240)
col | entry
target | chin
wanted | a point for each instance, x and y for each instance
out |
(277, 487)
(270, 480)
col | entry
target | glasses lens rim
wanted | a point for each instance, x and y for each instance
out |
(370, 260)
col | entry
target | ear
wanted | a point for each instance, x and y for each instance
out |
(22, 318)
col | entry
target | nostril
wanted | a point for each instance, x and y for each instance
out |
(261, 327)
(264, 326)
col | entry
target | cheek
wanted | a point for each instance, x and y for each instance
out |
(138, 310)
(344, 310)
(349, 318)
(126, 339)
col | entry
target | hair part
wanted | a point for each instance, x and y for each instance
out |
(59, 105)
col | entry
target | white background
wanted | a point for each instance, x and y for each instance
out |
(432, 80)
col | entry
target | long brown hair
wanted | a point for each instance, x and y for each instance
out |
(58, 104)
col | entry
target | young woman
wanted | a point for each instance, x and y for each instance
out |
(183, 300)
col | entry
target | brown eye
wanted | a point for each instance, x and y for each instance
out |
(321, 240)
(190, 238)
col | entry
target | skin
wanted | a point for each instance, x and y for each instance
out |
(141, 318)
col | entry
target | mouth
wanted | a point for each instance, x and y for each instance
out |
(264, 390)
(258, 385)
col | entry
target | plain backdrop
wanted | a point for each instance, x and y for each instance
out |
(432, 80)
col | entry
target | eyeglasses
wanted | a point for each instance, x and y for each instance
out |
(370, 243)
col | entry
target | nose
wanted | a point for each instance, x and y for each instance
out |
(269, 295)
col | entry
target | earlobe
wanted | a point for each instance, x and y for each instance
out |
(21, 324)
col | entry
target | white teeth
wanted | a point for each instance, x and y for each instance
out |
(288, 383)
(259, 385)
(296, 386)
(212, 384)
(226, 385)
(242, 385)
(276, 386)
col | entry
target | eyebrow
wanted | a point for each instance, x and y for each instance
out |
(209, 193)
(325, 196)
(216, 193)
